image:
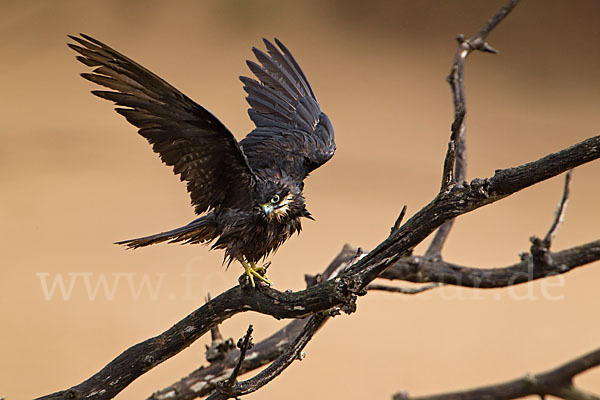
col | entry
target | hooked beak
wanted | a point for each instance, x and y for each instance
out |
(267, 208)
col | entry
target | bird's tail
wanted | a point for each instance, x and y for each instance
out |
(201, 230)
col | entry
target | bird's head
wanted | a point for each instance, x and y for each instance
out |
(278, 201)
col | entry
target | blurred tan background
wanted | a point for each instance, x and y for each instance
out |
(75, 177)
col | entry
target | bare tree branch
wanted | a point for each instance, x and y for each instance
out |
(292, 353)
(465, 198)
(244, 344)
(341, 291)
(455, 163)
(569, 390)
(539, 264)
(418, 269)
(557, 382)
(203, 381)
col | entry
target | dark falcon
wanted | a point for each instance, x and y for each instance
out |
(249, 194)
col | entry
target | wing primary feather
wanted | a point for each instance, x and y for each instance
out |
(288, 54)
(268, 80)
(306, 119)
(265, 107)
(306, 114)
(290, 126)
(87, 61)
(254, 88)
(273, 69)
(266, 100)
(187, 137)
(294, 72)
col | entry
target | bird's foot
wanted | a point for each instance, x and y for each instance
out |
(261, 270)
(253, 271)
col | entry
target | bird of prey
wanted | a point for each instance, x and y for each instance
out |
(248, 194)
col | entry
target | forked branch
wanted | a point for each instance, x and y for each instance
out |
(338, 292)
(455, 163)
(203, 381)
(293, 352)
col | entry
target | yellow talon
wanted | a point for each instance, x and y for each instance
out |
(261, 272)
(252, 271)
(248, 272)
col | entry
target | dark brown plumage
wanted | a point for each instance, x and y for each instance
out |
(248, 193)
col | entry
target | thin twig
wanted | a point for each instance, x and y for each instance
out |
(398, 220)
(560, 211)
(448, 177)
(540, 249)
(403, 290)
(243, 345)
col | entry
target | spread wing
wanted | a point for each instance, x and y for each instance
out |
(201, 150)
(291, 130)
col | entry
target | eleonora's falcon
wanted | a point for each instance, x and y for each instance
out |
(249, 193)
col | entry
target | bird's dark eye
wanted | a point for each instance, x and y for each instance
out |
(275, 199)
